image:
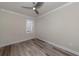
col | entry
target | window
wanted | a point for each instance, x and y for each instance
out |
(29, 26)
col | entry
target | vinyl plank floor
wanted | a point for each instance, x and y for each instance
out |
(33, 47)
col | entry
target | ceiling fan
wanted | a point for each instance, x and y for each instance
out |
(36, 5)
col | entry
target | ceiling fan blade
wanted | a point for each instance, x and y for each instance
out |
(36, 11)
(27, 7)
(33, 2)
(39, 4)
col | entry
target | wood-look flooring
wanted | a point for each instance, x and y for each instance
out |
(33, 47)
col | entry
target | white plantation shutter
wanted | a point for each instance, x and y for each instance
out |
(29, 25)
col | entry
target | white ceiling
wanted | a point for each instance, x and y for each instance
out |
(16, 7)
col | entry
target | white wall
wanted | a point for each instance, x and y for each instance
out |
(60, 27)
(13, 28)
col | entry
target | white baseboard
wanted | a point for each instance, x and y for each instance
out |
(10, 43)
(59, 46)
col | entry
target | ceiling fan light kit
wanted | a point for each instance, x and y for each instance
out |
(35, 7)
